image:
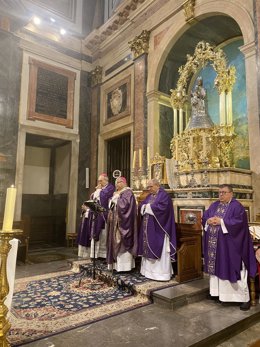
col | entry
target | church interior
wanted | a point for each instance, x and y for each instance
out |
(112, 86)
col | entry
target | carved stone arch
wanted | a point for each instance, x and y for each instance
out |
(175, 30)
(204, 53)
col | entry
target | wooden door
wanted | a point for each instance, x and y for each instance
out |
(118, 156)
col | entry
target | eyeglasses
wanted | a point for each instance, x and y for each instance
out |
(223, 193)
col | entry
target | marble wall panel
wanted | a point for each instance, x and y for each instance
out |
(10, 75)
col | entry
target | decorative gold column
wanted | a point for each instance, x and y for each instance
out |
(229, 111)
(222, 108)
(5, 237)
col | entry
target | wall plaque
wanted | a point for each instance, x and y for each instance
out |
(51, 93)
(117, 100)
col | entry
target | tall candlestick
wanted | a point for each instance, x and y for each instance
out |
(9, 209)
(148, 156)
(140, 158)
(134, 159)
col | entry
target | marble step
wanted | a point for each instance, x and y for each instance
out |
(216, 322)
(182, 294)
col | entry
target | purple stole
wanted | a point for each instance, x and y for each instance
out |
(213, 238)
(151, 200)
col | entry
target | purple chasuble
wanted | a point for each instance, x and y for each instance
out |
(224, 253)
(154, 228)
(97, 223)
(83, 232)
(122, 227)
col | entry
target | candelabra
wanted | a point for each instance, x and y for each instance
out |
(140, 178)
(5, 237)
(192, 182)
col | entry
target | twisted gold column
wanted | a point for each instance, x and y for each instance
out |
(5, 237)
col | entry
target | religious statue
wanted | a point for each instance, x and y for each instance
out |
(199, 115)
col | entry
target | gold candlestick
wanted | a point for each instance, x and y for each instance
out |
(5, 237)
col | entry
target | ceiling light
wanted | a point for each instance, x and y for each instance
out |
(62, 31)
(52, 20)
(36, 20)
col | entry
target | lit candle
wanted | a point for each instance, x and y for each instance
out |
(140, 158)
(148, 156)
(134, 159)
(9, 209)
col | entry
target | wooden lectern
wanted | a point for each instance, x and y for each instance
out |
(189, 255)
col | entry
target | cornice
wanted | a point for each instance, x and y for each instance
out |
(120, 20)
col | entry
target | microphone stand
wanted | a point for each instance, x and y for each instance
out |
(95, 215)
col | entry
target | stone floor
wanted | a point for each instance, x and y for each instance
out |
(153, 325)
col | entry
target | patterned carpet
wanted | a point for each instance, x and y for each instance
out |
(49, 304)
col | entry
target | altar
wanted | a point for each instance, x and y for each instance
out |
(190, 202)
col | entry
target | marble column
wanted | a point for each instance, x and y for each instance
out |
(153, 128)
(249, 52)
(10, 81)
(140, 107)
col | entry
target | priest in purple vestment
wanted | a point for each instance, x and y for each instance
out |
(82, 238)
(228, 249)
(97, 231)
(157, 239)
(122, 240)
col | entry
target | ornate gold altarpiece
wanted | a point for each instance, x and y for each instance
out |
(203, 156)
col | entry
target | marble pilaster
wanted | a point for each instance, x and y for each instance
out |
(10, 75)
(140, 106)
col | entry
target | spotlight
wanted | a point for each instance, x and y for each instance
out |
(36, 20)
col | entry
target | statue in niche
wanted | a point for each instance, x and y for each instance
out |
(199, 114)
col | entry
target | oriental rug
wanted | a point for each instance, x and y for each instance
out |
(53, 303)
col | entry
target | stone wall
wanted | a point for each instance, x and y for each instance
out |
(10, 75)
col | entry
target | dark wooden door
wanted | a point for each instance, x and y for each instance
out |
(118, 157)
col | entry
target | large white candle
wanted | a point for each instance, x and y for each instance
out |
(134, 159)
(148, 156)
(9, 209)
(140, 158)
